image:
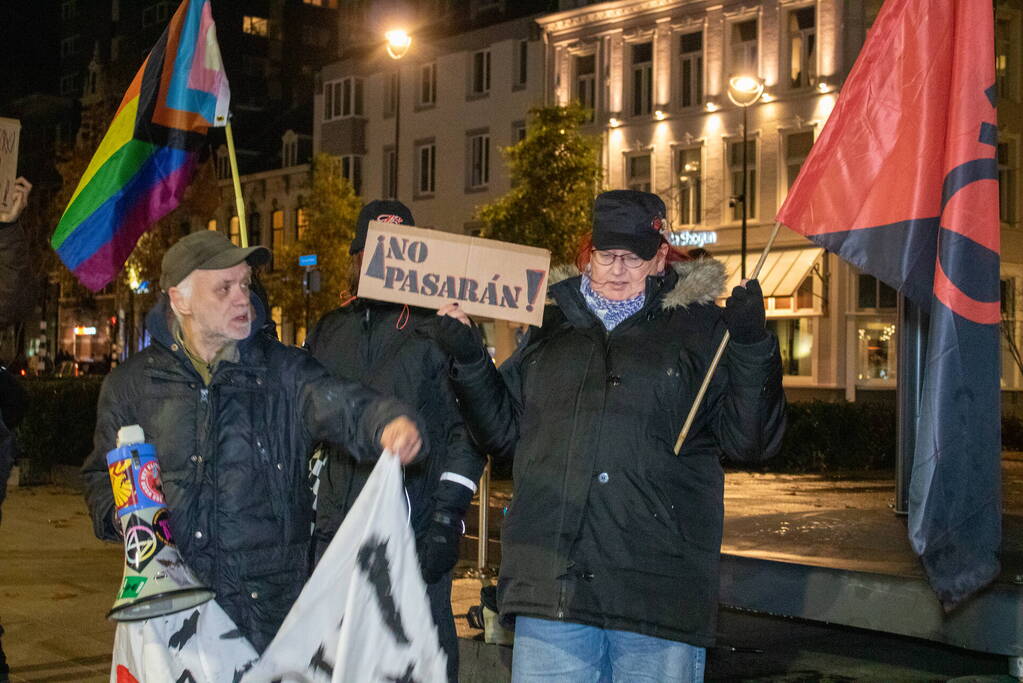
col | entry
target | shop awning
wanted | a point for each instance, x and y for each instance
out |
(783, 272)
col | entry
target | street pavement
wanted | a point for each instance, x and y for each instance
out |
(57, 583)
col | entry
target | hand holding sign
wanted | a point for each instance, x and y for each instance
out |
(455, 334)
(18, 200)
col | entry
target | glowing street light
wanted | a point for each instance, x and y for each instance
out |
(743, 91)
(398, 43)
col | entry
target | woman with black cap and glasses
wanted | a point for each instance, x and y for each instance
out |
(611, 546)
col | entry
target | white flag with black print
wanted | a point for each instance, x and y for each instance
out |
(362, 616)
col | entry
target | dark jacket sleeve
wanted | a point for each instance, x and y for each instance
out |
(345, 413)
(491, 401)
(112, 413)
(13, 271)
(461, 457)
(750, 420)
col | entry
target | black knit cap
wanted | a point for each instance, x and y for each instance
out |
(386, 210)
(205, 250)
(630, 220)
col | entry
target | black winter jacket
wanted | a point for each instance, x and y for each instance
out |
(233, 458)
(607, 527)
(375, 343)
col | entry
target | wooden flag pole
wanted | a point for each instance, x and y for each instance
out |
(243, 231)
(720, 352)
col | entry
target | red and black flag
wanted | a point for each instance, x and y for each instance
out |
(903, 184)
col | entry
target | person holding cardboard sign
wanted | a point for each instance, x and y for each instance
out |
(610, 548)
(376, 343)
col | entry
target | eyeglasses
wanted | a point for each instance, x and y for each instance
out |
(606, 258)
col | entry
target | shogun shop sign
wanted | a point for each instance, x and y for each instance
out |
(429, 268)
(9, 132)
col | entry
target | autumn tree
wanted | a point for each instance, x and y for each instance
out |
(555, 173)
(331, 211)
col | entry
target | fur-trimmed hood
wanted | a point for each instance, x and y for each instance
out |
(699, 282)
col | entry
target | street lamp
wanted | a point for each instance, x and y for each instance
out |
(744, 91)
(398, 43)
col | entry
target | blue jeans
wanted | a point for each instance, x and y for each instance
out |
(573, 653)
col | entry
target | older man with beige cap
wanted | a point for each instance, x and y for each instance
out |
(233, 415)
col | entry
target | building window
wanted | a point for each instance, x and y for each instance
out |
(1008, 182)
(289, 149)
(69, 46)
(223, 163)
(391, 94)
(802, 31)
(1012, 360)
(301, 222)
(426, 169)
(872, 294)
(390, 180)
(255, 26)
(212, 224)
(479, 161)
(427, 90)
(642, 78)
(69, 85)
(637, 172)
(156, 13)
(875, 349)
(480, 83)
(691, 69)
(795, 342)
(689, 188)
(586, 83)
(743, 37)
(1007, 57)
(342, 98)
(277, 226)
(233, 230)
(797, 147)
(255, 229)
(518, 132)
(735, 178)
(521, 63)
(68, 9)
(351, 170)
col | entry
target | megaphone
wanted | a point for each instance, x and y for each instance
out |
(156, 580)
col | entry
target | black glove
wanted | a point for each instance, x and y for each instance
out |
(461, 342)
(744, 314)
(438, 548)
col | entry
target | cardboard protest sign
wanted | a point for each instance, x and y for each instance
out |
(429, 268)
(10, 130)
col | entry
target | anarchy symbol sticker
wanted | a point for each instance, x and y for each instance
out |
(140, 545)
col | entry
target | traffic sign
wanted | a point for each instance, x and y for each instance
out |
(307, 260)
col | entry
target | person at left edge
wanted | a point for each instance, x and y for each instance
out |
(233, 415)
(13, 271)
(375, 342)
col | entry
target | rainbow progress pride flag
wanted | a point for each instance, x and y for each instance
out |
(148, 156)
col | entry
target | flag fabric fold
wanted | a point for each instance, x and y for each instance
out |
(362, 616)
(149, 154)
(902, 183)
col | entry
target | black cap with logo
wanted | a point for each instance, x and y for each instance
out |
(628, 219)
(386, 210)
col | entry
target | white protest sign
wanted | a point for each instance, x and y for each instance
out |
(10, 130)
(430, 268)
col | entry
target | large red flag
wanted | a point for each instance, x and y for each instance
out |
(902, 183)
